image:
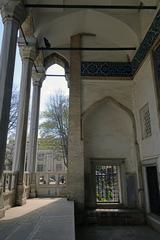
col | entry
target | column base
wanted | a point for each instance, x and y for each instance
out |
(33, 192)
(2, 212)
(21, 195)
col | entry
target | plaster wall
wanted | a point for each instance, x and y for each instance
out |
(145, 92)
(108, 131)
(133, 95)
(94, 90)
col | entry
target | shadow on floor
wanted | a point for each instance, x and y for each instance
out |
(40, 219)
(94, 232)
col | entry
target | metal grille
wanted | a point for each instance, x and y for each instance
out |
(107, 184)
(145, 122)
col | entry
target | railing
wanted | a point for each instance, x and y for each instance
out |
(48, 184)
(27, 180)
(9, 187)
(8, 181)
(51, 184)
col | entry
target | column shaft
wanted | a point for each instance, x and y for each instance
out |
(31, 165)
(7, 62)
(75, 179)
(13, 14)
(21, 133)
(38, 78)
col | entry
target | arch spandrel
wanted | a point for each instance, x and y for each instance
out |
(115, 102)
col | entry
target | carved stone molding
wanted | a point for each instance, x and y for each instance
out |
(28, 26)
(28, 51)
(38, 77)
(13, 9)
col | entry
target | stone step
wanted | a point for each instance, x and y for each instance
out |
(115, 217)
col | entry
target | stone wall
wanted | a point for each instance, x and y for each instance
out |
(145, 92)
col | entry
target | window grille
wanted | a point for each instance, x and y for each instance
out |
(145, 122)
(107, 184)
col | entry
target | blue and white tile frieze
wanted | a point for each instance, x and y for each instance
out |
(106, 69)
(124, 69)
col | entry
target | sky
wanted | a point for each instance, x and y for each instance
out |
(53, 84)
(50, 84)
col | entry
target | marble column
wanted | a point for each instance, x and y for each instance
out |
(28, 55)
(31, 164)
(13, 14)
(75, 178)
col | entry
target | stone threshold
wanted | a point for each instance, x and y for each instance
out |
(154, 221)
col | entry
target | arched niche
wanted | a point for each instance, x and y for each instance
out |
(109, 133)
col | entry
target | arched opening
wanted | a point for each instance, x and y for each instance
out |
(52, 152)
(110, 155)
(55, 80)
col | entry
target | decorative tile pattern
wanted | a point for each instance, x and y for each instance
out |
(124, 69)
(156, 61)
(157, 67)
(147, 43)
(111, 69)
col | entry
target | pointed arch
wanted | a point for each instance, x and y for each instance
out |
(56, 58)
(129, 112)
(117, 103)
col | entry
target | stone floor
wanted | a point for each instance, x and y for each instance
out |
(53, 219)
(39, 219)
(116, 233)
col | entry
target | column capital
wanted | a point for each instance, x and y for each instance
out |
(28, 51)
(13, 9)
(38, 77)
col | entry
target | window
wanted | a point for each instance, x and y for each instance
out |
(40, 168)
(40, 156)
(145, 121)
(107, 184)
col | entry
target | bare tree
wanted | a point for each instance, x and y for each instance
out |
(13, 112)
(9, 154)
(55, 122)
(12, 129)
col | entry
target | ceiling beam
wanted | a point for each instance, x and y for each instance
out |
(88, 49)
(102, 7)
